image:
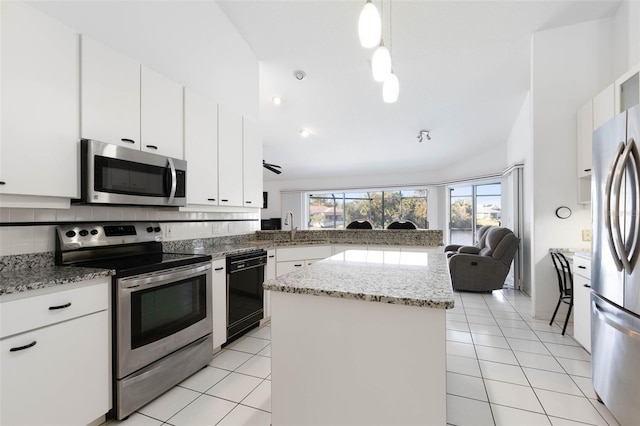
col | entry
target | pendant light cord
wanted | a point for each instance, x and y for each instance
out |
(390, 26)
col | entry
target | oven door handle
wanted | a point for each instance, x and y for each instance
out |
(184, 272)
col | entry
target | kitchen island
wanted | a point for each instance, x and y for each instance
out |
(359, 338)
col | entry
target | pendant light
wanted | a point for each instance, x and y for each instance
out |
(381, 60)
(381, 63)
(391, 89)
(369, 26)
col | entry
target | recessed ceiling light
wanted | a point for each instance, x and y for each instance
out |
(299, 75)
(277, 100)
(304, 133)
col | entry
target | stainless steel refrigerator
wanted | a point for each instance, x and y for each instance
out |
(615, 272)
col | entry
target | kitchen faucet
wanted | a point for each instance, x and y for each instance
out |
(290, 222)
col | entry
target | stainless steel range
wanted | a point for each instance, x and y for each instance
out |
(161, 304)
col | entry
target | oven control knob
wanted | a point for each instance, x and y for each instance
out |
(157, 229)
(150, 229)
(83, 232)
(70, 234)
(94, 232)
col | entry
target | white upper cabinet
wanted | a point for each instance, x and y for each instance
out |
(201, 148)
(584, 135)
(230, 162)
(39, 97)
(252, 167)
(110, 95)
(161, 112)
(603, 107)
(627, 90)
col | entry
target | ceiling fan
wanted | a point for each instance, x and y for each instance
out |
(272, 167)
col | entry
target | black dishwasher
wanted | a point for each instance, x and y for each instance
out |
(245, 307)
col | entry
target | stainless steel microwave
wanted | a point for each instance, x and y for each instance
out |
(112, 174)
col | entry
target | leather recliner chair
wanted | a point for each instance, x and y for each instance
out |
(488, 269)
(481, 235)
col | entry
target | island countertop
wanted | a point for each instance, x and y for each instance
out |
(405, 278)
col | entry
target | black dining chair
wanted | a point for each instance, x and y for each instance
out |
(360, 224)
(406, 224)
(565, 285)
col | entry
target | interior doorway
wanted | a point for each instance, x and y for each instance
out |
(473, 206)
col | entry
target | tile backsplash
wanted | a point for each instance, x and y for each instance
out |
(38, 238)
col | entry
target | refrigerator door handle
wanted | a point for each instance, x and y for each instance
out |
(632, 160)
(609, 320)
(615, 211)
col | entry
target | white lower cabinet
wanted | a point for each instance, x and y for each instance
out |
(289, 266)
(291, 258)
(219, 295)
(58, 374)
(582, 301)
(269, 274)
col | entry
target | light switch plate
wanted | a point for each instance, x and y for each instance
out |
(586, 235)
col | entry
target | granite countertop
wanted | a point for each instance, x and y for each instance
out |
(407, 278)
(20, 280)
(20, 273)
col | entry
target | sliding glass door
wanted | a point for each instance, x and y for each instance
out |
(471, 207)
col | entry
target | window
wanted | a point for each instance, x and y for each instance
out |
(472, 207)
(337, 209)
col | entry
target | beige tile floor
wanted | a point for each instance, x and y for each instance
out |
(503, 368)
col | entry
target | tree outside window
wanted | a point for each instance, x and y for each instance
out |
(380, 208)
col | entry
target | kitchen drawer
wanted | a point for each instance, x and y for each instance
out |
(290, 266)
(300, 253)
(21, 315)
(582, 266)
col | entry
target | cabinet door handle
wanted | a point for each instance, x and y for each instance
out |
(298, 265)
(587, 170)
(586, 285)
(582, 267)
(224, 201)
(272, 256)
(248, 202)
(3, 182)
(211, 199)
(152, 147)
(128, 140)
(22, 348)
(54, 308)
(219, 269)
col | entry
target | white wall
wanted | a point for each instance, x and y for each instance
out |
(625, 38)
(519, 138)
(565, 73)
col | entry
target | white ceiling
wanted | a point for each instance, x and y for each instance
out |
(463, 68)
